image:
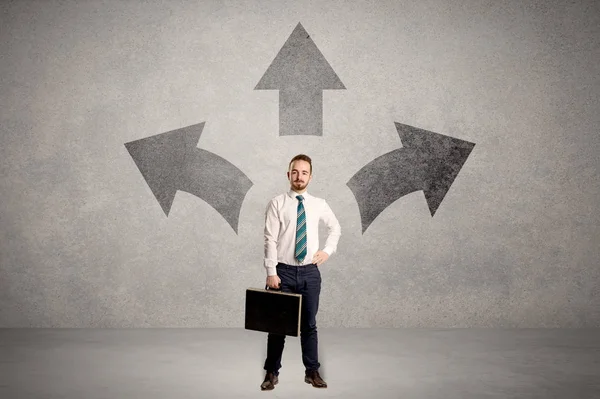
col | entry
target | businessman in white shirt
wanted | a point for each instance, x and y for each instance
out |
(292, 261)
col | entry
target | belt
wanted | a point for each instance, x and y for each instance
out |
(286, 266)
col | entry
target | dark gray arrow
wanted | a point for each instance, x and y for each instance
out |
(171, 161)
(427, 161)
(300, 73)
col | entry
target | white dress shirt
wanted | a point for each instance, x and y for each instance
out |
(280, 229)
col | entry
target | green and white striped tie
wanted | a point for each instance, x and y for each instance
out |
(300, 252)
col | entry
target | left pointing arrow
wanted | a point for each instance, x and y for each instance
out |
(171, 161)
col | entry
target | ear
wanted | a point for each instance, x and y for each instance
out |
(288, 175)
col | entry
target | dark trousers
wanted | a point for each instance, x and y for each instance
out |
(304, 280)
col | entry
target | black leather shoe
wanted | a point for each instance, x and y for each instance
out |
(269, 383)
(313, 377)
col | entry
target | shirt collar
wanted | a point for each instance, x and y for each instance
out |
(293, 194)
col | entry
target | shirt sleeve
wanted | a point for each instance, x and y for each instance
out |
(271, 235)
(334, 230)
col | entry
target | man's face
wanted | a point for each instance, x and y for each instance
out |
(299, 175)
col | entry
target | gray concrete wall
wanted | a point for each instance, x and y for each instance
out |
(84, 242)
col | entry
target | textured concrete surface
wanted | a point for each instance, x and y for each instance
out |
(514, 243)
(356, 363)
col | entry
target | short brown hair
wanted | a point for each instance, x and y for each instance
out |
(301, 157)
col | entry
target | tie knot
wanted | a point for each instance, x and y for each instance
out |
(300, 198)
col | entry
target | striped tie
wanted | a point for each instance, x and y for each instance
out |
(300, 253)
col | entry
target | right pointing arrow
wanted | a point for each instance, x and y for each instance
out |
(300, 73)
(428, 161)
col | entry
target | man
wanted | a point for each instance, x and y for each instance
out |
(292, 261)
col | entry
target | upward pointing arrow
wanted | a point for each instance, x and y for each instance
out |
(300, 73)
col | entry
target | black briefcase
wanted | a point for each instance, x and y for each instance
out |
(273, 311)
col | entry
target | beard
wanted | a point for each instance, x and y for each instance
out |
(299, 185)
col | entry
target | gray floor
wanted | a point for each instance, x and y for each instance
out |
(356, 363)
